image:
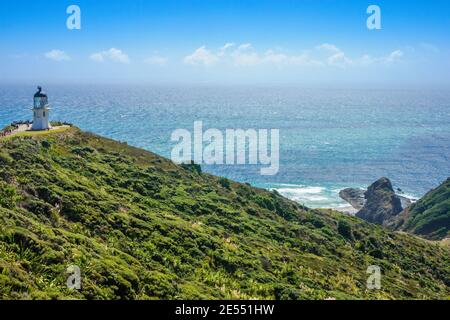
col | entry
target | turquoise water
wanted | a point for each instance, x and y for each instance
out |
(329, 139)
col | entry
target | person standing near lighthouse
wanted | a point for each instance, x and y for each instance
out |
(41, 111)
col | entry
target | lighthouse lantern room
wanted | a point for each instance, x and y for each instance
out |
(41, 111)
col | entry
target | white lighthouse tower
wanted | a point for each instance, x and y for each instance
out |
(41, 111)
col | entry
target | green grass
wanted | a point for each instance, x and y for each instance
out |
(141, 227)
(34, 133)
(430, 216)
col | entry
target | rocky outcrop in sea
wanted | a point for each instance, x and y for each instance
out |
(354, 196)
(378, 204)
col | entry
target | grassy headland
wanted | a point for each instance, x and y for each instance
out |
(141, 227)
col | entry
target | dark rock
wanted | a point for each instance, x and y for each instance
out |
(355, 197)
(382, 204)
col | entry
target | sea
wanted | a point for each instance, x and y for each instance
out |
(330, 138)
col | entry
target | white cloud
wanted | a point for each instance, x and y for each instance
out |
(365, 60)
(339, 60)
(329, 47)
(394, 56)
(57, 55)
(113, 54)
(156, 60)
(305, 60)
(337, 57)
(276, 58)
(202, 56)
(245, 46)
(245, 55)
(225, 47)
(97, 57)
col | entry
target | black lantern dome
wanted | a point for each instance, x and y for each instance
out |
(40, 99)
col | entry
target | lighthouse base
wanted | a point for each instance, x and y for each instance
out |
(40, 119)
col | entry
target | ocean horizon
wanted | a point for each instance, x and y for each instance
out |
(330, 139)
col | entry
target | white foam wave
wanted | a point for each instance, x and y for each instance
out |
(301, 190)
(311, 196)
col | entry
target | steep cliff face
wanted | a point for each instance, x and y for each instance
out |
(430, 216)
(140, 227)
(382, 204)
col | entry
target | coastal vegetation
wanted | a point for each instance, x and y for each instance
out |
(140, 227)
(430, 216)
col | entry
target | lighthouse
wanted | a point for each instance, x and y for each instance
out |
(41, 111)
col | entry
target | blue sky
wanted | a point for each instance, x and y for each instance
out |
(225, 41)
